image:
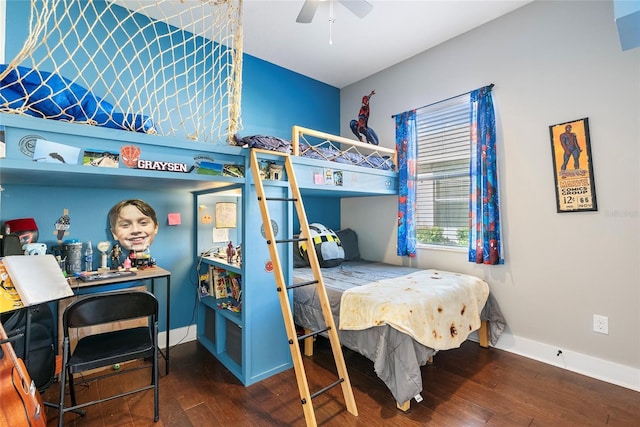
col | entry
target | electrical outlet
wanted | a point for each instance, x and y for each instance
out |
(600, 324)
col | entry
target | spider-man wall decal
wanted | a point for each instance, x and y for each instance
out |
(360, 127)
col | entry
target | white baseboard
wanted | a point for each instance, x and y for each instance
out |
(178, 336)
(600, 369)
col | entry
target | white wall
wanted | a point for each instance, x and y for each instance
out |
(551, 62)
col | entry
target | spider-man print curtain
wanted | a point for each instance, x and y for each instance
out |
(485, 245)
(407, 149)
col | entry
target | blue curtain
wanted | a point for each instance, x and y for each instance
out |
(485, 245)
(407, 149)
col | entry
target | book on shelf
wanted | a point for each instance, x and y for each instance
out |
(9, 296)
(205, 286)
(235, 285)
(219, 282)
(37, 278)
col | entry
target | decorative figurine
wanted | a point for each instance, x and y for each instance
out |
(62, 225)
(230, 252)
(275, 172)
(141, 259)
(239, 255)
(103, 247)
(116, 262)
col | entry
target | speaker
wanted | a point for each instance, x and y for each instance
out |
(10, 245)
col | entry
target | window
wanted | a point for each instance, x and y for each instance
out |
(444, 152)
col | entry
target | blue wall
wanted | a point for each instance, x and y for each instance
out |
(273, 100)
(324, 210)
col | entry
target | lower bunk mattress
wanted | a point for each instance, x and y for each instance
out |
(392, 318)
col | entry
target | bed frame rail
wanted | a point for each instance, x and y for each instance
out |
(344, 145)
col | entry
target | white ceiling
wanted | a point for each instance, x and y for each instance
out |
(392, 32)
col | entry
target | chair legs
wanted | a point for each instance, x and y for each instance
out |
(66, 377)
(63, 380)
(72, 389)
(102, 350)
(156, 384)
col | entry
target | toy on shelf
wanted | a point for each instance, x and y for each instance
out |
(103, 247)
(230, 253)
(116, 253)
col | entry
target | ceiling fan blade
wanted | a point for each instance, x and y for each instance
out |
(308, 11)
(360, 8)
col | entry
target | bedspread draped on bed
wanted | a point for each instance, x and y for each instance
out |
(436, 308)
(396, 356)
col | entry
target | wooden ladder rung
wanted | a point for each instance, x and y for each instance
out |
(327, 388)
(281, 199)
(301, 284)
(313, 333)
(294, 239)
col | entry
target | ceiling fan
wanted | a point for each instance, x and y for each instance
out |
(360, 8)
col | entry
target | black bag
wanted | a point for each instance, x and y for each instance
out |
(41, 363)
(10, 245)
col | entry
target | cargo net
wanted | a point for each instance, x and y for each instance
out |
(167, 67)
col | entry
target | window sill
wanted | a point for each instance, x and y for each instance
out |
(442, 248)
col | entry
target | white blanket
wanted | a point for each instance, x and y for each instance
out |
(439, 309)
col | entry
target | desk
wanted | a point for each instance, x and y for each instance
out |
(150, 273)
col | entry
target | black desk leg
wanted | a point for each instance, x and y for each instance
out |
(168, 322)
(165, 353)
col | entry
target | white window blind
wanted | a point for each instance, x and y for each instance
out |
(443, 173)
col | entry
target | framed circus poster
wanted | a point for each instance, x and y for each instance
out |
(573, 166)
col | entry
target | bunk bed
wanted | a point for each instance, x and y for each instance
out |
(397, 346)
(364, 170)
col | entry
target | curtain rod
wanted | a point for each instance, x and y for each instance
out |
(490, 86)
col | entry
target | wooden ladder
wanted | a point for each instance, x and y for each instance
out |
(282, 288)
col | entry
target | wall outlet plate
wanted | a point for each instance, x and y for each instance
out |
(600, 324)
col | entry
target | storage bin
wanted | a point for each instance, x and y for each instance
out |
(234, 342)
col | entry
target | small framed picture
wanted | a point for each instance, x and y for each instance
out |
(101, 158)
(226, 215)
(573, 166)
(54, 152)
(328, 176)
(337, 178)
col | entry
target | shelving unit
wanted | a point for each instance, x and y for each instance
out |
(246, 341)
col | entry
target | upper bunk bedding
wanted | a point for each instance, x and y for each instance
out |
(48, 95)
(323, 146)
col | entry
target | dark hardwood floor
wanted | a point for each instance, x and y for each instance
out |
(469, 386)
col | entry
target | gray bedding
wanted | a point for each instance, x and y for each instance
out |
(396, 356)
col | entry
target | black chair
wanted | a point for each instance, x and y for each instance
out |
(109, 348)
